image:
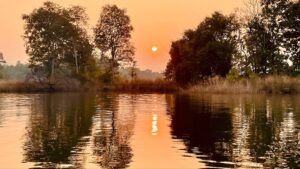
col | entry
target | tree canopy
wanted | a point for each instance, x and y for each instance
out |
(56, 40)
(113, 35)
(204, 52)
(291, 34)
(265, 42)
(272, 38)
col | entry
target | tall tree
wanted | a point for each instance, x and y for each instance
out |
(204, 52)
(271, 36)
(112, 37)
(259, 46)
(246, 15)
(291, 33)
(56, 40)
(273, 17)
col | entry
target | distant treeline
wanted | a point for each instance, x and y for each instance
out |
(14, 72)
(261, 39)
(141, 74)
(20, 71)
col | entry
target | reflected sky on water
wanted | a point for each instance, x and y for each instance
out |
(106, 130)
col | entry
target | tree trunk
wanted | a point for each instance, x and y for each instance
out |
(76, 61)
(112, 66)
(51, 82)
(52, 71)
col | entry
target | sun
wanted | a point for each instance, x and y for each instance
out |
(154, 48)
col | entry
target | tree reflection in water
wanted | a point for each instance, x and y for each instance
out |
(194, 123)
(95, 131)
(239, 131)
(113, 131)
(63, 127)
(56, 124)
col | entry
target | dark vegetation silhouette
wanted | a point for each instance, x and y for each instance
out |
(262, 41)
(56, 127)
(112, 38)
(204, 52)
(266, 43)
(58, 44)
(232, 124)
(60, 129)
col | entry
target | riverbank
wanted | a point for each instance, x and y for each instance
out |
(144, 85)
(128, 86)
(19, 87)
(30, 87)
(268, 85)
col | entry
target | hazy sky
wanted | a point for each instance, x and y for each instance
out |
(156, 22)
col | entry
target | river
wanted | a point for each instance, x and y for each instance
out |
(109, 130)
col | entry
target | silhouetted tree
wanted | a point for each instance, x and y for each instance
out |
(250, 12)
(291, 34)
(271, 37)
(259, 47)
(273, 17)
(112, 37)
(56, 40)
(204, 52)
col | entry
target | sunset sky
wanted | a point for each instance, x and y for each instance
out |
(155, 22)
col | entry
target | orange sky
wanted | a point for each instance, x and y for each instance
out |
(156, 22)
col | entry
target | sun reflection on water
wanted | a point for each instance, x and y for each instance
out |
(154, 124)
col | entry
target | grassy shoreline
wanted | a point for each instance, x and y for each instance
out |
(126, 86)
(267, 85)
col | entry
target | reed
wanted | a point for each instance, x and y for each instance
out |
(19, 86)
(268, 85)
(31, 87)
(145, 85)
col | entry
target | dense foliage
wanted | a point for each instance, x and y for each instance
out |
(57, 42)
(272, 38)
(112, 38)
(264, 42)
(204, 52)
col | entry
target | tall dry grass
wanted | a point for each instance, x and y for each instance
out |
(20, 86)
(124, 85)
(144, 85)
(30, 87)
(269, 85)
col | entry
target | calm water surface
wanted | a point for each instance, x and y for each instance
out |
(149, 131)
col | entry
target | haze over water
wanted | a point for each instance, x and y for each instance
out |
(140, 131)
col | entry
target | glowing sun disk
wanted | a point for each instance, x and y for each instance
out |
(154, 48)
